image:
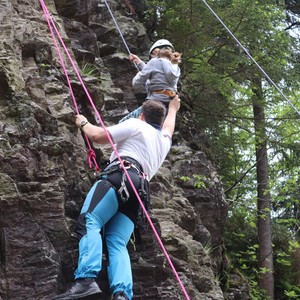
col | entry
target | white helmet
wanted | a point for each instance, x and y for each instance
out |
(160, 44)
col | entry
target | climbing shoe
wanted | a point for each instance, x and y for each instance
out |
(120, 296)
(81, 288)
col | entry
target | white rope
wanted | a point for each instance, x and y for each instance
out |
(254, 61)
(118, 28)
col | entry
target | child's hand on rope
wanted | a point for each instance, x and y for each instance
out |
(134, 58)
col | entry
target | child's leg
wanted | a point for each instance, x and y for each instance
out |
(134, 114)
(137, 112)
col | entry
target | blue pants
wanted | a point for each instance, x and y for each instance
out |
(101, 208)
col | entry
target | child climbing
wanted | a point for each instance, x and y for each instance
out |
(159, 76)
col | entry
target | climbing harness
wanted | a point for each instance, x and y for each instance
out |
(165, 92)
(253, 60)
(120, 186)
(52, 26)
(142, 185)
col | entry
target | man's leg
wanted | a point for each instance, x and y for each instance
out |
(100, 205)
(118, 232)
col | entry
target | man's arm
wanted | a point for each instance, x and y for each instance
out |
(169, 123)
(95, 133)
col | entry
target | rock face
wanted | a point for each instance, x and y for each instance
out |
(44, 174)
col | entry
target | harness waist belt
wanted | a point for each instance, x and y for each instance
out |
(119, 183)
(134, 163)
(165, 92)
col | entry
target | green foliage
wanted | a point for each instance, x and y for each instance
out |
(218, 78)
(184, 178)
(208, 249)
(198, 181)
(42, 65)
(293, 294)
(88, 69)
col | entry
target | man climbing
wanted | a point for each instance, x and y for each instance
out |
(111, 205)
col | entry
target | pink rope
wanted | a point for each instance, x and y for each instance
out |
(51, 23)
(91, 153)
(92, 156)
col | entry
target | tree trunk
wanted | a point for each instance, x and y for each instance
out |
(265, 255)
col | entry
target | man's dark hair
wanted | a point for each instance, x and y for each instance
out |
(154, 112)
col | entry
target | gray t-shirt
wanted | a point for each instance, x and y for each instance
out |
(142, 142)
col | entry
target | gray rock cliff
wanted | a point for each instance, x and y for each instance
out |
(44, 174)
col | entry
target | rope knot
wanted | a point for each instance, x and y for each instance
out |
(91, 158)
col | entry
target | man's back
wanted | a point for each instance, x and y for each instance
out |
(141, 141)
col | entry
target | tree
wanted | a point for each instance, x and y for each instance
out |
(249, 124)
(265, 254)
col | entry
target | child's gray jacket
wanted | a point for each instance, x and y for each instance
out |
(157, 75)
